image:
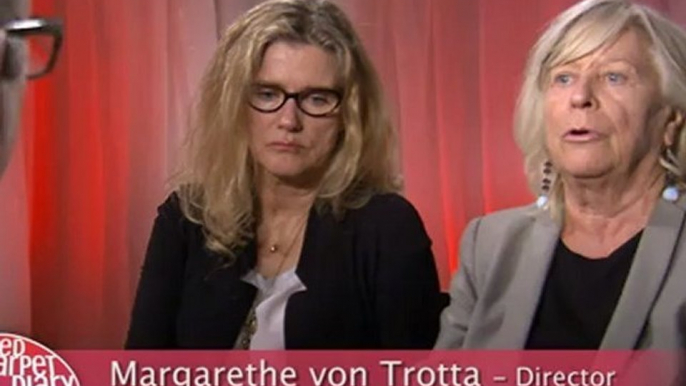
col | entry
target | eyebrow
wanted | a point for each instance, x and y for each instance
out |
(639, 69)
(599, 64)
(308, 88)
(618, 60)
(265, 84)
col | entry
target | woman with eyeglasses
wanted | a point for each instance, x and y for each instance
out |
(285, 229)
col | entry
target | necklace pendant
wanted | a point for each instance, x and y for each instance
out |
(274, 248)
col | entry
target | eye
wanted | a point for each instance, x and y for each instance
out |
(615, 78)
(562, 79)
(266, 94)
(320, 98)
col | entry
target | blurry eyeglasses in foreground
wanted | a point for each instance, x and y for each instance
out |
(43, 38)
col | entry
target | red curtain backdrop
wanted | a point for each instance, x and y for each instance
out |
(101, 134)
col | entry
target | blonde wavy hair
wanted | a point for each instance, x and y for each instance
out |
(215, 184)
(579, 31)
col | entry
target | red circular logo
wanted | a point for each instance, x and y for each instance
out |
(25, 362)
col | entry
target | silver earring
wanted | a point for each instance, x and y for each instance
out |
(542, 199)
(670, 193)
(671, 190)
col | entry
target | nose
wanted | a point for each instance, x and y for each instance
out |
(583, 95)
(289, 116)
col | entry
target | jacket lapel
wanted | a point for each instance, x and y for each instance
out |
(326, 241)
(230, 299)
(527, 283)
(645, 278)
(316, 232)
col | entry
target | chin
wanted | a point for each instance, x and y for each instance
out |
(587, 172)
(293, 175)
(585, 167)
(284, 172)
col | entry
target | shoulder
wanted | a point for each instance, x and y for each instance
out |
(170, 216)
(500, 235)
(171, 207)
(389, 217)
(511, 221)
(389, 213)
(389, 207)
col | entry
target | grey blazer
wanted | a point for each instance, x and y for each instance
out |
(504, 260)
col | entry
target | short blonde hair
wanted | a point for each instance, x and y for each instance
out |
(579, 31)
(216, 184)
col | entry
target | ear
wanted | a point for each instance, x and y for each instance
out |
(673, 127)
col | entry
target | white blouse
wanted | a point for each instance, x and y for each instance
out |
(272, 296)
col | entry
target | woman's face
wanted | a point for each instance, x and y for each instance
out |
(604, 112)
(288, 144)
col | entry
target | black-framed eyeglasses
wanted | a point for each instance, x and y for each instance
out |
(43, 38)
(315, 102)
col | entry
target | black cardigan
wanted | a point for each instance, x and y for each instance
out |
(371, 283)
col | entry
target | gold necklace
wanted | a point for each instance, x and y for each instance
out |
(250, 326)
(274, 248)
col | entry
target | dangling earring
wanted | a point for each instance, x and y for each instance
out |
(542, 199)
(671, 191)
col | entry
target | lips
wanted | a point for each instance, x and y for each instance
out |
(285, 146)
(582, 134)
